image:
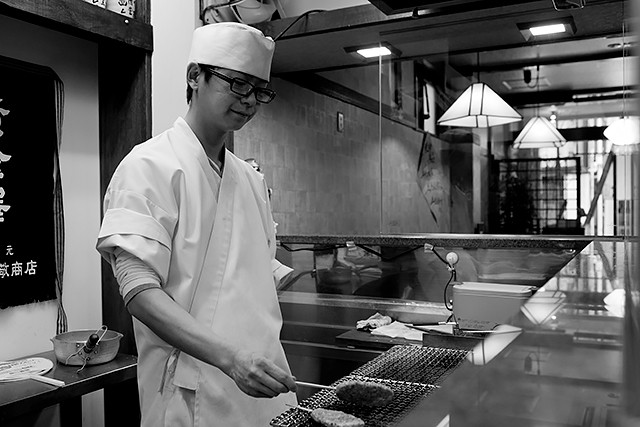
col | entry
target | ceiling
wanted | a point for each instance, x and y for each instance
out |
(474, 39)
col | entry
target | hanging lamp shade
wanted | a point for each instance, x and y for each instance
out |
(539, 133)
(624, 131)
(479, 107)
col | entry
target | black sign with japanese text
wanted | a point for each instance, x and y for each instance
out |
(28, 141)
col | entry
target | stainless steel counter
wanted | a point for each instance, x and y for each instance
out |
(574, 362)
(568, 358)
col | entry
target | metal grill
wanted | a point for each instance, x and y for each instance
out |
(425, 365)
(412, 372)
(405, 396)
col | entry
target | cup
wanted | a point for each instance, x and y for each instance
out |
(99, 3)
(123, 7)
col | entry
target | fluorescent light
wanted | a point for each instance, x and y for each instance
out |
(374, 52)
(548, 29)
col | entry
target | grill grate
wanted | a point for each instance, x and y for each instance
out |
(411, 371)
(426, 365)
(405, 396)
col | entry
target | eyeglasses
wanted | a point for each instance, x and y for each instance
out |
(242, 87)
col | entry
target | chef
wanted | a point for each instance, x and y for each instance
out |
(189, 233)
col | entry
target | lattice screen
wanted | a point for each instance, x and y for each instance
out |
(536, 196)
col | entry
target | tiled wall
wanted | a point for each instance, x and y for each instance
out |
(329, 182)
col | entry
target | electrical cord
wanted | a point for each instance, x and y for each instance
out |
(440, 257)
(215, 7)
(296, 20)
(451, 278)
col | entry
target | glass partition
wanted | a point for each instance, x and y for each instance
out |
(406, 270)
(353, 146)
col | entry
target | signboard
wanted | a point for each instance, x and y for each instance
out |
(28, 172)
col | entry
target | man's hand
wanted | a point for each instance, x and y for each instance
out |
(258, 376)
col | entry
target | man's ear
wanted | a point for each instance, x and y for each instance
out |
(193, 71)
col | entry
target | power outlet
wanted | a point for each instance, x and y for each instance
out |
(340, 122)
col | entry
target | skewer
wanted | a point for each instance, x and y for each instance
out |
(300, 408)
(326, 387)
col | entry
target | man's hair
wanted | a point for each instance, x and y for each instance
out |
(207, 76)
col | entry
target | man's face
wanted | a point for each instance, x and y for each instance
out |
(223, 108)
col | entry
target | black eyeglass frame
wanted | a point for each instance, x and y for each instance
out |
(263, 94)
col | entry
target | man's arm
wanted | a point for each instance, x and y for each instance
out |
(254, 374)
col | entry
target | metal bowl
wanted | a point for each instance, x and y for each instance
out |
(74, 348)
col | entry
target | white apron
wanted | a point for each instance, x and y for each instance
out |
(221, 263)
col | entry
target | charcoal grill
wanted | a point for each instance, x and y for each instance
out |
(425, 365)
(405, 396)
(412, 372)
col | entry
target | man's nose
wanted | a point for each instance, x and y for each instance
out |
(250, 98)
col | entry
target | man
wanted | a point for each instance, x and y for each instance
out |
(188, 231)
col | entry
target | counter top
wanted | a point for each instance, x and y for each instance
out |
(21, 397)
(574, 361)
(485, 241)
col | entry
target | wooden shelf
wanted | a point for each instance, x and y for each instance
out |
(82, 19)
(23, 397)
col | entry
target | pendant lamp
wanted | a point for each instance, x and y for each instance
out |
(479, 106)
(539, 133)
(624, 131)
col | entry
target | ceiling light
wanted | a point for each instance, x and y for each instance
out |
(624, 131)
(538, 133)
(547, 29)
(479, 107)
(373, 51)
(543, 29)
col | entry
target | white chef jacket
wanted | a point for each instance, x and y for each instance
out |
(215, 257)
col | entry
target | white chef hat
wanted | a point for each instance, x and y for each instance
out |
(234, 46)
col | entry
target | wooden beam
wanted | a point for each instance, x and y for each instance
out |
(562, 96)
(83, 19)
(578, 134)
(334, 90)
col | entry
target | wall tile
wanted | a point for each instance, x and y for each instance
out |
(327, 182)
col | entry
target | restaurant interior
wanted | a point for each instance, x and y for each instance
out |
(467, 150)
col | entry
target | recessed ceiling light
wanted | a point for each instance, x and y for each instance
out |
(548, 29)
(373, 50)
(554, 27)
